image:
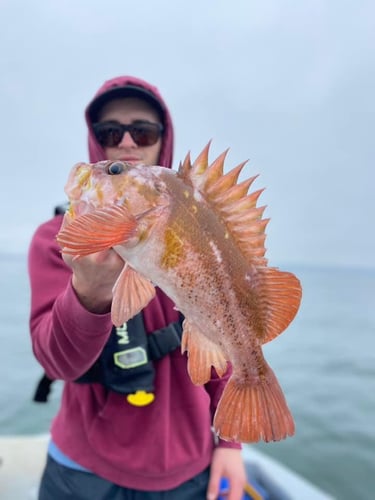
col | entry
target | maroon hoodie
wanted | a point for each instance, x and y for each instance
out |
(155, 447)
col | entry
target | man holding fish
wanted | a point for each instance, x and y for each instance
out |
(131, 424)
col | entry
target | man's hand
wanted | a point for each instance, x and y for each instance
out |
(94, 277)
(227, 462)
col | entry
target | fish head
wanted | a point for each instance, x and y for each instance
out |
(92, 186)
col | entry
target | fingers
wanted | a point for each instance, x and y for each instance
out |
(227, 463)
(93, 278)
(213, 484)
(235, 490)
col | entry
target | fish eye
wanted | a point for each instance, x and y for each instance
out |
(115, 168)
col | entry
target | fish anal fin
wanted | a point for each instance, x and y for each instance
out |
(131, 293)
(202, 355)
(249, 413)
(281, 294)
(97, 231)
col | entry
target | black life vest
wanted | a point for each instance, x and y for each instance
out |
(125, 364)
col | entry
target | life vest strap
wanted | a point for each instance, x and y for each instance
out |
(165, 340)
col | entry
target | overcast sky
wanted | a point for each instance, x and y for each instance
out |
(289, 85)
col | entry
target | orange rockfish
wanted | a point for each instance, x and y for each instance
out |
(199, 236)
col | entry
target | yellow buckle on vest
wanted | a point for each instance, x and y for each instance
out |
(140, 398)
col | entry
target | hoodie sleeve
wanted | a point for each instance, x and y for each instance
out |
(66, 338)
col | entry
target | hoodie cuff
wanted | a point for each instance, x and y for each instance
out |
(221, 443)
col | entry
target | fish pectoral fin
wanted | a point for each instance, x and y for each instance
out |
(249, 412)
(131, 293)
(97, 231)
(202, 355)
(281, 292)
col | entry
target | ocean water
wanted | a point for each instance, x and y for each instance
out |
(325, 362)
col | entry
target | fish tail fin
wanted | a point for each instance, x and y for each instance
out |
(250, 413)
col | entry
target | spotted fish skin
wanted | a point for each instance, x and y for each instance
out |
(199, 235)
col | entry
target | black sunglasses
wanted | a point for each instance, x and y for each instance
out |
(110, 134)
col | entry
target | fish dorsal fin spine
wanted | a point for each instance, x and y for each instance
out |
(231, 201)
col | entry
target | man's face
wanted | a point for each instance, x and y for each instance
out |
(128, 111)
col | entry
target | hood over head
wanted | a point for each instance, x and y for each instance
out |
(128, 86)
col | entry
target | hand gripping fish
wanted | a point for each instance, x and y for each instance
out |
(199, 236)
